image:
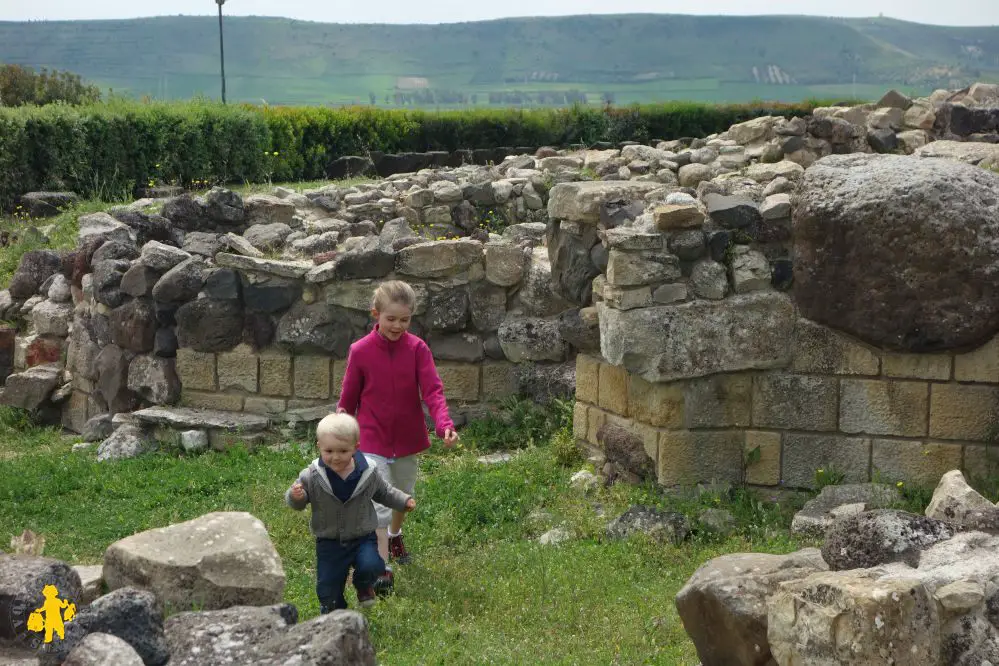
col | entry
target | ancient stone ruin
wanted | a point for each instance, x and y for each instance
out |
(221, 564)
(787, 296)
(886, 586)
(198, 321)
(800, 300)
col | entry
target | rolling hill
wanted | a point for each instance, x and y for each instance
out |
(628, 58)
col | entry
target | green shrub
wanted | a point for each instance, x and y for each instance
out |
(118, 145)
(519, 424)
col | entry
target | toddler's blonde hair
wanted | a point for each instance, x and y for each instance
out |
(393, 291)
(341, 426)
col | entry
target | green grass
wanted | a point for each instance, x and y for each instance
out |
(481, 589)
(61, 233)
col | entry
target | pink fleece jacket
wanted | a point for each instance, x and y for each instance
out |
(382, 388)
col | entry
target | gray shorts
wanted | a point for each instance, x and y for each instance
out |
(402, 474)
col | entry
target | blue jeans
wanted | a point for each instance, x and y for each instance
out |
(333, 561)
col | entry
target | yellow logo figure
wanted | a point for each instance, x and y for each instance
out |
(49, 618)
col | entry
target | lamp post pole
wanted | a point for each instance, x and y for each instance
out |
(221, 48)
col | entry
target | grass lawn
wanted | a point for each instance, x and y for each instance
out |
(480, 590)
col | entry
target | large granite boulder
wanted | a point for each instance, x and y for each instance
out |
(723, 605)
(22, 579)
(957, 502)
(940, 612)
(899, 251)
(268, 636)
(218, 560)
(830, 618)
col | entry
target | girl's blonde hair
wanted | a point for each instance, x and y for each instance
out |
(393, 291)
(341, 426)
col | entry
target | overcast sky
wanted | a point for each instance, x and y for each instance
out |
(953, 12)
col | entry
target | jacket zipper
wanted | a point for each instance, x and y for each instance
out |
(395, 399)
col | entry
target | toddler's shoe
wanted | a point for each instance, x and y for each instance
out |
(366, 597)
(397, 550)
(385, 583)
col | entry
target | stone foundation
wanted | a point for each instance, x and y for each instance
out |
(839, 405)
(273, 382)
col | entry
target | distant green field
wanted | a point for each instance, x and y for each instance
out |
(350, 90)
(633, 58)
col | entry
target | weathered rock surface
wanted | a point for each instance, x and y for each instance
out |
(898, 251)
(723, 606)
(880, 537)
(268, 636)
(655, 524)
(98, 649)
(22, 579)
(957, 502)
(829, 619)
(218, 560)
(132, 615)
(29, 389)
(582, 201)
(663, 343)
(838, 501)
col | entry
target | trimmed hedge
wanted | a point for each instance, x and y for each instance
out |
(107, 150)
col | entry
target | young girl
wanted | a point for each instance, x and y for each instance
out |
(388, 372)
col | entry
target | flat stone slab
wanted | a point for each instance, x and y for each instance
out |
(972, 152)
(189, 418)
(12, 656)
(581, 201)
(288, 269)
(495, 458)
(820, 512)
(307, 414)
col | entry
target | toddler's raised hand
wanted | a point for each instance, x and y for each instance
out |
(297, 492)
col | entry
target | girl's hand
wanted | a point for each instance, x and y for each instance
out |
(297, 492)
(450, 437)
(410, 504)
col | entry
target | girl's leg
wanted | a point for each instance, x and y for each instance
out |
(403, 474)
(398, 518)
(384, 513)
(381, 535)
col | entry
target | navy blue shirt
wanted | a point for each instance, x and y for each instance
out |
(344, 488)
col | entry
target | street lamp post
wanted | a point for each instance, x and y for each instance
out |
(221, 48)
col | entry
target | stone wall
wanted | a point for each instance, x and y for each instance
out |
(788, 312)
(786, 296)
(839, 405)
(233, 304)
